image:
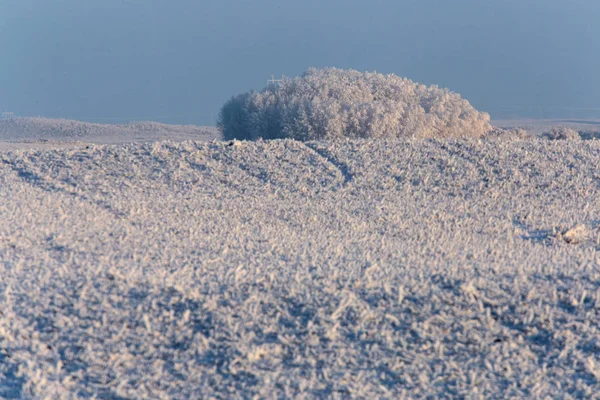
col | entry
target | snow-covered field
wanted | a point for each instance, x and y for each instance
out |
(45, 133)
(355, 269)
(587, 128)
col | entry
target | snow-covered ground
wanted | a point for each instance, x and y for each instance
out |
(356, 269)
(45, 133)
(588, 128)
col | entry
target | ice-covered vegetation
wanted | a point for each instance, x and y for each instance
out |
(561, 133)
(509, 133)
(285, 269)
(332, 103)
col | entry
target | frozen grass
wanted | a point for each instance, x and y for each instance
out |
(356, 269)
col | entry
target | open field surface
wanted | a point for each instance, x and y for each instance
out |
(588, 128)
(38, 133)
(356, 269)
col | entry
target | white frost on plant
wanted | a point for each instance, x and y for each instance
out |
(333, 103)
(561, 133)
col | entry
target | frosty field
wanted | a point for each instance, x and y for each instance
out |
(282, 269)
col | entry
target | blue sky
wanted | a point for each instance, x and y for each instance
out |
(177, 61)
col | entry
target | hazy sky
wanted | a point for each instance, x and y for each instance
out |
(177, 61)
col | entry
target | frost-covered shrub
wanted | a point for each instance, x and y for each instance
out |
(509, 133)
(332, 103)
(588, 134)
(561, 134)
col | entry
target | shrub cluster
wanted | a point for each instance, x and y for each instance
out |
(332, 103)
(561, 133)
(509, 133)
